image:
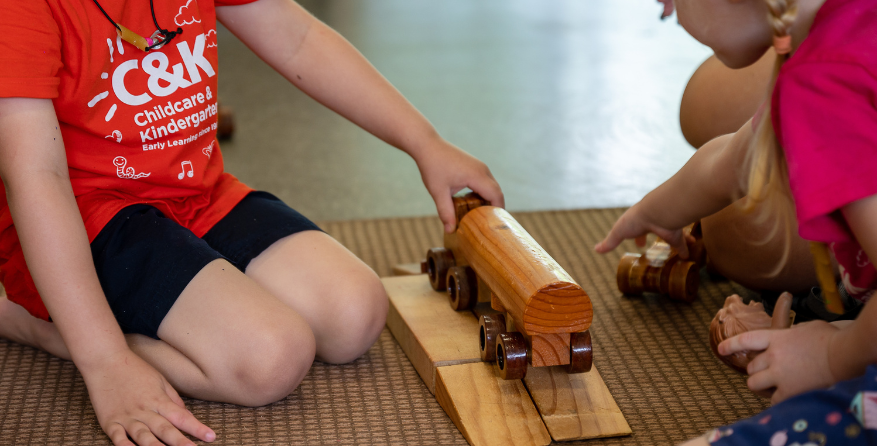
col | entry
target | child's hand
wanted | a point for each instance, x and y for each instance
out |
(131, 398)
(635, 224)
(794, 361)
(446, 170)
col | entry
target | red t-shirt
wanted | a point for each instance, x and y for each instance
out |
(138, 127)
(825, 115)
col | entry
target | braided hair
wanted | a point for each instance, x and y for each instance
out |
(768, 180)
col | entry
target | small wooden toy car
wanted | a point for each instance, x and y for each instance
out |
(543, 315)
(662, 271)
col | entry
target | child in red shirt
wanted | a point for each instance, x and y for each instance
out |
(816, 172)
(134, 253)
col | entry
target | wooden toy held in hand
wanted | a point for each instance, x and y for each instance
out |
(736, 318)
(662, 271)
(544, 315)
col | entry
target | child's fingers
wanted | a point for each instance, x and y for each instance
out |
(162, 429)
(781, 312)
(640, 241)
(759, 363)
(751, 340)
(611, 241)
(183, 420)
(174, 396)
(444, 204)
(489, 190)
(140, 432)
(675, 239)
(118, 435)
(761, 381)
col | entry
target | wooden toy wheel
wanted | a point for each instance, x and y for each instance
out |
(511, 355)
(438, 262)
(492, 325)
(580, 353)
(462, 287)
(626, 277)
(683, 280)
(225, 123)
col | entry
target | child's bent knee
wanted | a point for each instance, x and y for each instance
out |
(358, 325)
(274, 367)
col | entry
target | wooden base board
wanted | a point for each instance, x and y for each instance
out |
(407, 269)
(436, 338)
(487, 410)
(575, 406)
(429, 331)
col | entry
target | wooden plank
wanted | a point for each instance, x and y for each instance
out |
(430, 332)
(489, 410)
(407, 269)
(577, 406)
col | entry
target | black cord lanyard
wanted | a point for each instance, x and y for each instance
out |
(144, 44)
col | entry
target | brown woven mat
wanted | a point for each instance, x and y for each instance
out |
(653, 354)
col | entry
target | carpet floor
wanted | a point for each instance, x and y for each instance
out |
(653, 354)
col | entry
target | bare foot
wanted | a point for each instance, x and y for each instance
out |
(17, 325)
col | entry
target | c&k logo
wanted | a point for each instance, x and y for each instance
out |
(155, 64)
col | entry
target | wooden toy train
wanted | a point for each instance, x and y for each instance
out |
(540, 316)
(662, 271)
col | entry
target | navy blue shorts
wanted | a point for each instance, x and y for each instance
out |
(144, 260)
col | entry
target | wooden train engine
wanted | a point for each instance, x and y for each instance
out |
(662, 271)
(540, 315)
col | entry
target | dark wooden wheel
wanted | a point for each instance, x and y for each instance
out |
(627, 277)
(225, 123)
(492, 325)
(580, 353)
(682, 281)
(511, 355)
(438, 262)
(462, 287)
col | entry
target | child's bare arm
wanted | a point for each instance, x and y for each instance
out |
(706, 184)
(853, 349)
(324, 65)
(122, 387)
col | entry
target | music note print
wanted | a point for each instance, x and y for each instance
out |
(190, 173)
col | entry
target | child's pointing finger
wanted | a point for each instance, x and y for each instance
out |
(750, 341)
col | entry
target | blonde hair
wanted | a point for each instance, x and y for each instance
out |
(768, 180)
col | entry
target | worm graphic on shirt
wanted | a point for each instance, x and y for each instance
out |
(208, 150)
(128, 173)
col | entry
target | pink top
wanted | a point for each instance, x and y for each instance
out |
(825, 115)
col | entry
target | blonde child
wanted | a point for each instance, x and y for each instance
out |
(134, 254)
(804, 163)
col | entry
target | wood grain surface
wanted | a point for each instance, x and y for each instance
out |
(430, 332)
(539, 295)
(576, 406)
(487, 410)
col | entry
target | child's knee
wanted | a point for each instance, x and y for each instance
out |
(359, 323)
(273, 363)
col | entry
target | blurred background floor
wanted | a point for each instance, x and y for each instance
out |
(572, 104)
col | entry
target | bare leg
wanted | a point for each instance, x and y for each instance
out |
(339, 296)
(229, 338)
(17, 325)
(734, 243)
(225, 339)
(719, 100)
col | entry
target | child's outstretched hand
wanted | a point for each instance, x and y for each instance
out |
(795, 360)
(636, 224)
(132, 399)
(446, 170)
